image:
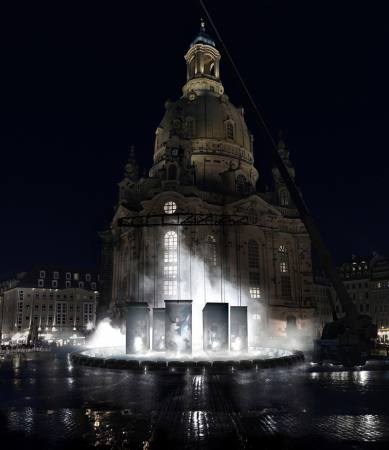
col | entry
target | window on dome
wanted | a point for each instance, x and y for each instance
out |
(230, 131)
(241, 184)
(170, 207)
(172, 172)
(209, 65)
(284, 197)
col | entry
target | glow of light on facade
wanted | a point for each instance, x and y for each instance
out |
(236, 344)
(138, 344)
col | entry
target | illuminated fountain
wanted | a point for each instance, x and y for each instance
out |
(161, 338)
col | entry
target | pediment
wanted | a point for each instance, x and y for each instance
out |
(256, 202)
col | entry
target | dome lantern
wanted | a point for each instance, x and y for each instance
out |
(203, 64)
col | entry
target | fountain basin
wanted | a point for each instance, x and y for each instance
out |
(116, 358)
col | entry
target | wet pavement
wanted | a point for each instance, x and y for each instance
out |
(46, 403)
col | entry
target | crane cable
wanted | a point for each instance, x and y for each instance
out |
(316, 238)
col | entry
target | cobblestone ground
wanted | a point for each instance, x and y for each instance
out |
(47, 404)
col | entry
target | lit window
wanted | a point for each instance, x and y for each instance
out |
(254, 283)
(76, 276)
(283, 267)
(283, 257)
(55, 275)
(61, 311)
(256, 317)
(255, 292)
(170, 207)
(88, 317)
(170, 264)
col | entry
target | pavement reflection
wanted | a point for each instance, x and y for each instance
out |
(50, 404)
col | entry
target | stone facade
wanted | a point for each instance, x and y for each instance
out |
(50, 301)
(367, 281)
(197, 228)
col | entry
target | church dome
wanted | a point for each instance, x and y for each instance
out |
(203, 131)
(206, 117)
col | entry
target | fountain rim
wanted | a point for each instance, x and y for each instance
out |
(134, 363)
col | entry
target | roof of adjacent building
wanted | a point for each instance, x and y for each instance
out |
(59, 273)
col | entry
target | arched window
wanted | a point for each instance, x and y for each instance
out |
(254, 274)
(253, 254)
(192, 68)
(284, 197)
(172, 172)
(170, 260)
(283, 259)
(230, 131)
(211, 251)
(241, 184)
(209, 65)
(286, 287)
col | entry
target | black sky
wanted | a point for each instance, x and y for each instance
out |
(81, 82)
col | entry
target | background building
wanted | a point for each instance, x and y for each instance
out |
(51, 301)
(367, 282)
(324, 301)
(197, 228)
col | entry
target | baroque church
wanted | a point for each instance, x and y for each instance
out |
(197, 228)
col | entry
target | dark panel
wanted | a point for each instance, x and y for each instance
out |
(137, 328)
(215, 327)
(158, 329)
(238, 328)
(178, 326)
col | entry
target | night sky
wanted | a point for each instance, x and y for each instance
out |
(81, 82)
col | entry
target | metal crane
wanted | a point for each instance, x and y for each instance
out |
(347, 340)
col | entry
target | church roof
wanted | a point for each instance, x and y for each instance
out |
(203, 37)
